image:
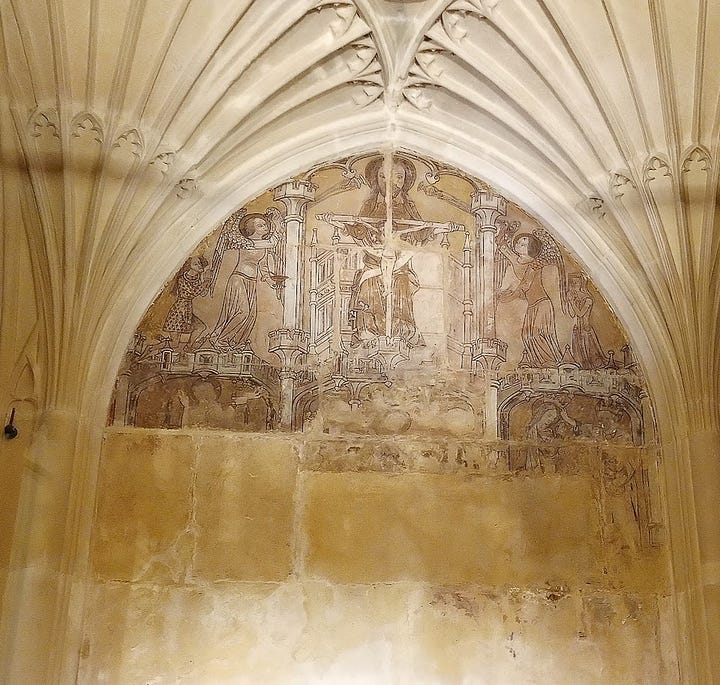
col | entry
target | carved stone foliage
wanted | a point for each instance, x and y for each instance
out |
(350, 295)
(87, 126)
(656, 168)
(455, 15)
(131, 141)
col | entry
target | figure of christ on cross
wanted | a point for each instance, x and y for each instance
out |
(381, 301)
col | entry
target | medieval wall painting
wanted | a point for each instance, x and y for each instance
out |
(402, 316)
(373, 293)
(430, 389)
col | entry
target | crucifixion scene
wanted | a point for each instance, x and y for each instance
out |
(350, 288)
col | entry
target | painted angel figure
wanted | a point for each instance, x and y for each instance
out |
(529, 254)
(257, 240)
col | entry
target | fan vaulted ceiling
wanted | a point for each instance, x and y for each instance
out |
(591, 114)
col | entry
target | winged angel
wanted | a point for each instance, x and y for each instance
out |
(257, 238)
(529, 254)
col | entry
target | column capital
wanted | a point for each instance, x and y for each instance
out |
(488, 207)
(489, 353)
(295, 189)
(290, 345)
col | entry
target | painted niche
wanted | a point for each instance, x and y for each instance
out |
(367, 289)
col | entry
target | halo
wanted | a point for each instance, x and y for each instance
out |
(372, 169)
(410, 172)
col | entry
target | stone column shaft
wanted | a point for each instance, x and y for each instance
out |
(294, 195)
(290, 343)
(487, 208)
(704, 452)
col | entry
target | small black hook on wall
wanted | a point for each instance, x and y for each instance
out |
(10, 431)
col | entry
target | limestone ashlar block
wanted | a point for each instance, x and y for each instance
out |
(244, 508)
(215, 634)
(246, 633)
(373, 527)
(625, 629)
(142, 524)
(355, 633)
(457, 631)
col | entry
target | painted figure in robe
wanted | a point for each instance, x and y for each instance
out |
(255, 237)
(585, 346)
(529, 254)
(181, 321)
(549, 422)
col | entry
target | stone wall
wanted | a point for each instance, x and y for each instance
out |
(343, 557)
